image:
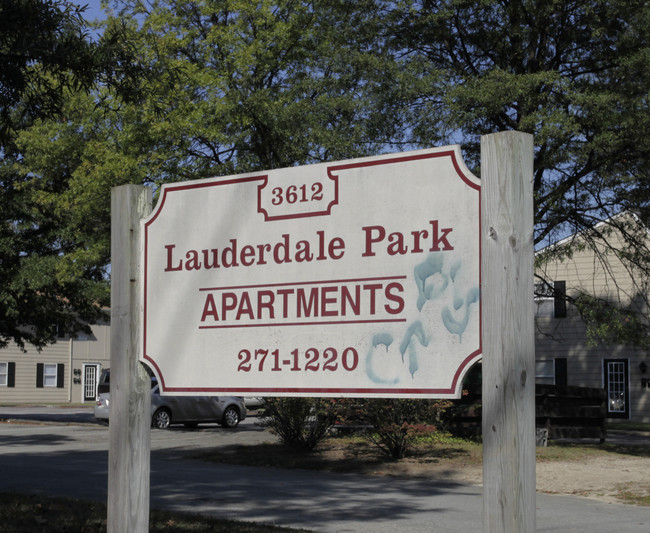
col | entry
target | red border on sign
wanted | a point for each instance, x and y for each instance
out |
(326, 211)
(287, 391)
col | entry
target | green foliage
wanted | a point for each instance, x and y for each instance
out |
(262, 84)
(301, 423)
(607, 323)
(44, 54)
(43, 50)
(178, 90)
(574, 74)
(175, 90)
(394, 425)
(58, 162)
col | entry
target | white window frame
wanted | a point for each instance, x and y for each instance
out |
(544, 301)
(616, 381)
(50, 374)
(88, 380)
(4, 374)
(545, 376)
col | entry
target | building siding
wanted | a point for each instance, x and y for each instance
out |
(25, 389)
(600, 273)
(71, 353)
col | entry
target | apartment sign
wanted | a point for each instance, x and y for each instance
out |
(359, 278)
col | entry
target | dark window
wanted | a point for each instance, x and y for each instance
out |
(59, 376)
(559, 298)
(560, 371)
(551, 371)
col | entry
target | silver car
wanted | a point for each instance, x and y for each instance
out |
(188, 410)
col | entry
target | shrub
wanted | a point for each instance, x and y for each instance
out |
(393, 425)
(301, 423)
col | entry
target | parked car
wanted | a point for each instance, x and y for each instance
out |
(104, 383)
(254, 402)
(188, 410)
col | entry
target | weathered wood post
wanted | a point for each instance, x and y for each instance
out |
(508, 334)
(130, 438)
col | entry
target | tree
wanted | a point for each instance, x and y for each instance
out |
(263, 84)
(574, 74)
(43, 50)
(179, 90)
(192, 89)
(53, 279)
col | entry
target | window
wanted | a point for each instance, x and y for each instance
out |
(7, 374)
(49, 375)
(550, 300)
(543, 299)
(615, 374)
(545, 372)
(551, 371)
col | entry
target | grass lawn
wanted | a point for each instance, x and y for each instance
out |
(38, 514)
(356, 454)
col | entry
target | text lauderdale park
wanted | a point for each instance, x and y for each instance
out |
(376, 239)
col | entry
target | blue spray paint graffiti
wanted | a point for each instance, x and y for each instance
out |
(458, 326)
(415, 330)
(385, 339)
(431, 267)
(434, 277)
(433, 281)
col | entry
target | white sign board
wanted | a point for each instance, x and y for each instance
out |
(358, 278)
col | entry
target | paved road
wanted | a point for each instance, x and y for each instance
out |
(70, 459)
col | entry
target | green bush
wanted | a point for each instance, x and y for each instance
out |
(393, 425)
(301, 423)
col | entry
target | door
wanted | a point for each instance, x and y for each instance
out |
(616, 376)
(91, 375)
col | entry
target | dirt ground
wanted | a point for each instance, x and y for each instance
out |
(601, 478)
(610, 477)
(604, 478)
(615, 472)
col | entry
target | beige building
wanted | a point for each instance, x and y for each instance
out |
(566, 352)
(65, 372)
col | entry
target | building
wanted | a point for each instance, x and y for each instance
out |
(567, 353)
(64, 372)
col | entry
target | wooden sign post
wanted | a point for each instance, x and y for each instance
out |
(129, 432)
(413, 303)
(508, 334)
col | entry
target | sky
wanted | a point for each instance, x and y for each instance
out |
(94, 9)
